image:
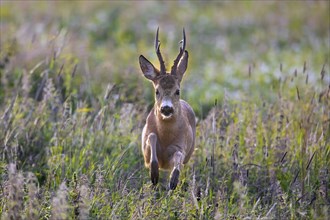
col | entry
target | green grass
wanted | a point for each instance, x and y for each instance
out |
(73, 103)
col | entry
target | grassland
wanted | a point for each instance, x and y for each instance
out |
(73, 103)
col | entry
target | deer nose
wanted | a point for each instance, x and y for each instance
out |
(166, 110)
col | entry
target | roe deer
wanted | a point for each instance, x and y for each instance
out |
(168, 137)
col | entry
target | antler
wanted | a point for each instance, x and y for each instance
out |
(160, 58)
(182, 49)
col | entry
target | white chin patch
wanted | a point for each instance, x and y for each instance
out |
(166, 117)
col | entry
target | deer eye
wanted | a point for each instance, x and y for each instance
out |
(157, 92)
(177, 92)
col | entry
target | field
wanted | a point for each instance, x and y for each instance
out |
(73, 102)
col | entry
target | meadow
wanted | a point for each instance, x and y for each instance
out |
(73, 102)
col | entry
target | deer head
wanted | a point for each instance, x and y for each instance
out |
(166, 85)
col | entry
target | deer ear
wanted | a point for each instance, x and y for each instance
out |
(182, 66)
(149, 71)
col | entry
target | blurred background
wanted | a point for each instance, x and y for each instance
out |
(73, 102)
(238, 50)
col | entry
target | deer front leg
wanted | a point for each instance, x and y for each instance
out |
(152, 144)
(177, 161)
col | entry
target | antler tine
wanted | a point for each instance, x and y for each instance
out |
(160, 58)
(157, 43)
(183, 41)
(182, 49)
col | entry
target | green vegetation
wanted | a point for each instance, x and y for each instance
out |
(73, 103)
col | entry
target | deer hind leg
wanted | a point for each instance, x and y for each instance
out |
(152, 144)
(177, 161)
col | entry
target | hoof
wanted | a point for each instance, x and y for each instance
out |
(174, 179)
(154, 173)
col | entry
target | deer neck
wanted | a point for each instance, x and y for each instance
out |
(168, 130)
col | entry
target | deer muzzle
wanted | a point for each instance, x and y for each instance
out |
(166, 109)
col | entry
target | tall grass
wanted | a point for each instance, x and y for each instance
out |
(73, 104)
